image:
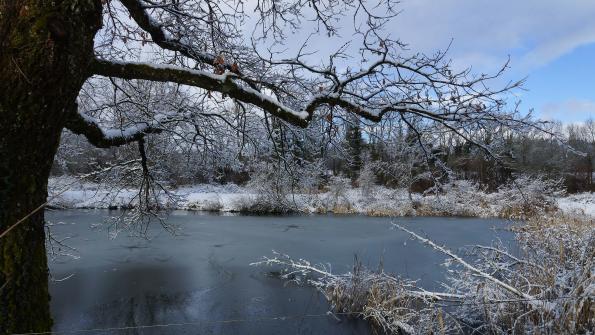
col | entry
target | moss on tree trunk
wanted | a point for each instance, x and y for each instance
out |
(46, 47)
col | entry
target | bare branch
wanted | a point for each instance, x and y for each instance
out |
(225, 83)
(82, 124)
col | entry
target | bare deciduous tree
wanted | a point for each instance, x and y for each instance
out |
(60, 59)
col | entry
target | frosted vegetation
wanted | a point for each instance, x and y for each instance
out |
(193, 117)
(547, 287)
(264, 107)
(351, 167)
(527, 196)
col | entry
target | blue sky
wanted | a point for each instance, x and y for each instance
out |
(551, 42)
(564, 88)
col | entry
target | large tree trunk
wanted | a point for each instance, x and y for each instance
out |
(45, 49)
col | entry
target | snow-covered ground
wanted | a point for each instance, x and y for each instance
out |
(460, 199)
(582, 203)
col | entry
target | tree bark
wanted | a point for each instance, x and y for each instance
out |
(46, 47)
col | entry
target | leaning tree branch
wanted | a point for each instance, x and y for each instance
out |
(533, 301)
(226, 83)
(230, 84)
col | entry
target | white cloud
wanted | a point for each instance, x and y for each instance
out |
(569, 110)
(555, 48)
(485, 32)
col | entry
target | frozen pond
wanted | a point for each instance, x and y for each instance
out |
(199, 282)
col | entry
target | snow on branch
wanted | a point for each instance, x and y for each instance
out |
(224, 83)
(227, 83)
(535, 302)
(82, 124)
(373, 77)
(392, 305)
(183, 45)
(162, 38)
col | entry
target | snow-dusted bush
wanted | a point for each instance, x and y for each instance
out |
(458, 198)
(209, 205)
(338, 188)
(528, 196)
(391, 304)
(548, 288)
(272, 189)
(367, 180)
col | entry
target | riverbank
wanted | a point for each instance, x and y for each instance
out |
(458, 199)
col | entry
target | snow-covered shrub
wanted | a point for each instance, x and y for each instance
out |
(391, 304)
(528, 196)
(277, 184)
(458, 198)
(367, 180)
(338, 194)
(209, 205)
(547, 288)
(272, 189)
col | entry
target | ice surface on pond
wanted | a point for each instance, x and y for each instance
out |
(202, 275)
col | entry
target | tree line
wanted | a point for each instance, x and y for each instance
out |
(393, 160)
